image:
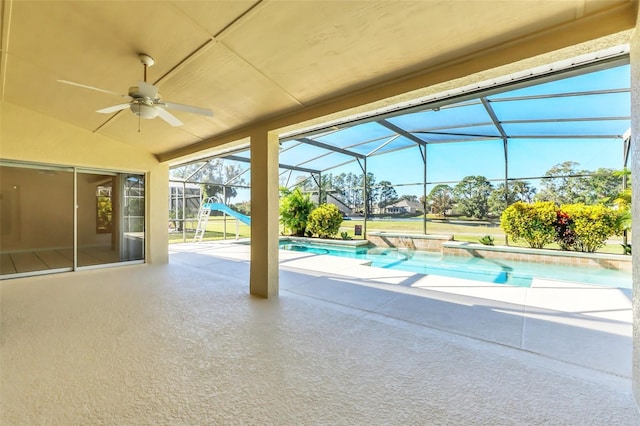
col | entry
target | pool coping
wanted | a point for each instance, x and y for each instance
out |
(410, 235)
(526, 250)
(348, 243)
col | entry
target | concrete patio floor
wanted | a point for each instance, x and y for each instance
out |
(184, 343)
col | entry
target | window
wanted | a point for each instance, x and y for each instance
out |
(103, 209)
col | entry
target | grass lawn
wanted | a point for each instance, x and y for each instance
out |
(460, 232)
(470, 231)
(215, 230)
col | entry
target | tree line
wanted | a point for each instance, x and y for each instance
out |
(213, 177)
(476, 196)
(348, 188)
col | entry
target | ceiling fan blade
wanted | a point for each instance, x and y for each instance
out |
(188, 108)
(147, 90)
(92, 88)
(168, 117)
(115, 108)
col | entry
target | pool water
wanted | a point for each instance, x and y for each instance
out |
(487, 270)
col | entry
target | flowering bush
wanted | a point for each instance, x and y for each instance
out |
(565, 235)
(577, 227)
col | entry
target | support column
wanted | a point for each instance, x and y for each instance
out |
(635, 176)
(505, 148)
(365, 195)
(224, 215)
(423, 153)
(184, 211)
(263, 277)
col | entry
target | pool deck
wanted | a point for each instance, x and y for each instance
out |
(580, 327)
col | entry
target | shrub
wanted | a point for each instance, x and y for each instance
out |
(533, 223)
(565, 235)
(487, 240)
(295, 208)
(325, 221)
(591, 225)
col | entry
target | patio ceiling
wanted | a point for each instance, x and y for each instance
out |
(259, 61)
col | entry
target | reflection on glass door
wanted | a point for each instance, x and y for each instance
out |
(36, 219)
(110, 217)
(97, 230)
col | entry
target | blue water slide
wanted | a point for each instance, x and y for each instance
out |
(228, 210)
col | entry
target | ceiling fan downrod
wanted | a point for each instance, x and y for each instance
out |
(147, 61)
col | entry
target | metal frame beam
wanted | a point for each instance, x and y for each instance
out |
(282, 166)
(331, 148)
(401, 132)
(561, 95)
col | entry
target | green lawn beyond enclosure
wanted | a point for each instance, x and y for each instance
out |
(461, 230)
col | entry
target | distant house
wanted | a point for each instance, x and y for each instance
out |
(403, 207)
(345, 209)
(333, 198)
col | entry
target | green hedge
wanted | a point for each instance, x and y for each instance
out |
(295, 208)
(324, 221)
(591, 225)
(533, 223)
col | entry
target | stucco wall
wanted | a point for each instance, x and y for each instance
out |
(29, 136)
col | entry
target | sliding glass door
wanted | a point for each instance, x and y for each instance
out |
(41, 232)
(36, 219)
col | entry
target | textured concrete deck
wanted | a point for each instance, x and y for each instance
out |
(343, 344)
(591, 325)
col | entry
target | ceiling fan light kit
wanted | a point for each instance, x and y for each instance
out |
(144, 111)
(144, 99)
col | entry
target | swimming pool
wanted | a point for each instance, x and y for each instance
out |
(487, 270)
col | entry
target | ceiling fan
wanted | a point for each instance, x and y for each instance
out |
(144, 99)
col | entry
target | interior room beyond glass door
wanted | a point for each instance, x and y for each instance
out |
(110, 218)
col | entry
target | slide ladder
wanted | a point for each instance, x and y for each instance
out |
(203, 218)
